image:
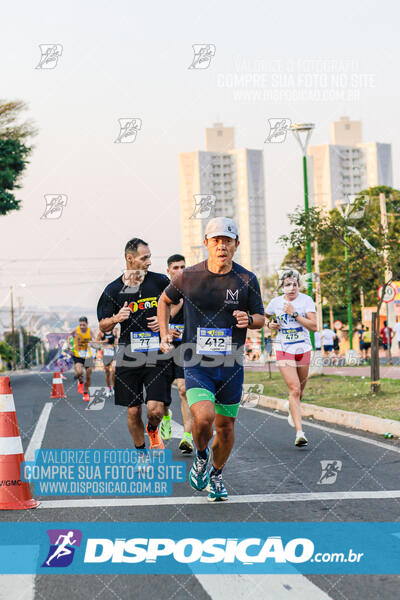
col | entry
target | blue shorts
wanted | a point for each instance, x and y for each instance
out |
(328, 347)
(221, 385)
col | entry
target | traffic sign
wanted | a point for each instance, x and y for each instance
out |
(390, 293)
(338, 324)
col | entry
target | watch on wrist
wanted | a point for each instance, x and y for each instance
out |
(295, 315)
(250, 320)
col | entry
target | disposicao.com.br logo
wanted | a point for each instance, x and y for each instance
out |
(201, 547)
(191, 550)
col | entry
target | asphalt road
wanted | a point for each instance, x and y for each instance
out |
(264, 462)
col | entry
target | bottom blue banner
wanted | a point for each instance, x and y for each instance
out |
(172, 548)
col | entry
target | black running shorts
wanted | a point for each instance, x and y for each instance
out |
(131, 381)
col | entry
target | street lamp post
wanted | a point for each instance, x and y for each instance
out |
(297, 129)
(348, 293)
(348, 212)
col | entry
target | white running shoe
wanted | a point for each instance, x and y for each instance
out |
(301, 439)
(290, 418)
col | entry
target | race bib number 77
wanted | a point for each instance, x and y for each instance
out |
(142, 341)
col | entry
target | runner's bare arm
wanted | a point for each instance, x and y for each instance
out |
(271, 325)
(163, 314)
(243, 320)
(309, 321)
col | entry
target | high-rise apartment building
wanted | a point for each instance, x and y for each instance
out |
(232, 181)
(347, 165)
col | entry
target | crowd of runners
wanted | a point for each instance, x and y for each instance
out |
(188, 329)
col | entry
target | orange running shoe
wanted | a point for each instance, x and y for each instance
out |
(156, 442)
(86, 397)
(80, 388)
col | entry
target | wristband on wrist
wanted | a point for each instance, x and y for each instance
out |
(250, 320)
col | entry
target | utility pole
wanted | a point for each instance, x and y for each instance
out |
(21, 348)
(348, 294)
(362, 303)
(12, 326)
(318, 300)
(390, 316)
(331, 315)
(305, 129)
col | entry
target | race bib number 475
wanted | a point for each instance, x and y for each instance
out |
(142, 341)
(214, 341)
(293, 335)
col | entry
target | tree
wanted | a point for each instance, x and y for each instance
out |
(6, 352)
(12, 163)
(13, 152)
(333, 232)
(9, 128)
(353, 245)
(30, 343)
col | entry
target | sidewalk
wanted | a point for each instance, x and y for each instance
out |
(345, 418)
(386, 372)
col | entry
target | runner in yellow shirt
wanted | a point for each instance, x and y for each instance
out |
(83, 356)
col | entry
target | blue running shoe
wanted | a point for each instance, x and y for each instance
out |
(198, 475)
(216, 489)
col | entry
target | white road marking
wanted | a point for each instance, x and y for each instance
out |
(268, 587)
(239, 499)
(177, 430)
(18, 587)
(38, 434)
(22, 587)
(353, 436)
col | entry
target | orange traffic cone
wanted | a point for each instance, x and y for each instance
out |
(14, 493)
(58, 388)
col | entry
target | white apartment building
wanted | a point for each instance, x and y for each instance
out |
(234, 178)
(347, 165)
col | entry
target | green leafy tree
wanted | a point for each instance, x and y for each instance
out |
(355, 250)
(6, 352)
(361, 233)
(13, 153)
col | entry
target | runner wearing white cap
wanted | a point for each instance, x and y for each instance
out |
(221, 300)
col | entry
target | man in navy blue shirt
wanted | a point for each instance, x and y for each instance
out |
(221, 300)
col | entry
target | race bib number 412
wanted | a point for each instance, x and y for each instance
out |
(142, 341)
(214, 341)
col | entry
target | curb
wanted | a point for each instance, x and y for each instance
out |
(345, 418)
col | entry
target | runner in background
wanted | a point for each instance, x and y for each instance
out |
(396, 329)
(336, 344)
(108, 342)
(175, 265)
(366, 337)
(294, 315)
(386, 334)
(83, 356)
(317, 340)
(328, 337)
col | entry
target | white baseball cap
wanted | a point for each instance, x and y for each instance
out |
(221, 226)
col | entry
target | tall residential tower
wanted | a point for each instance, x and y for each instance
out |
(347, 165)
(232, 182)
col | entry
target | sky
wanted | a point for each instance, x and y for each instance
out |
(308, 62)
